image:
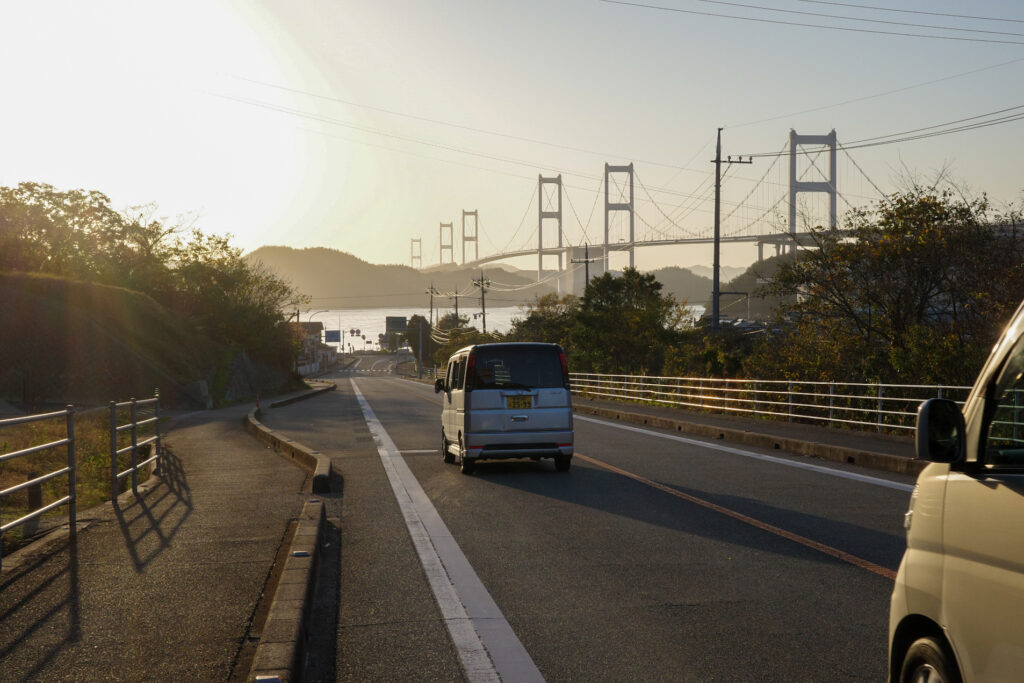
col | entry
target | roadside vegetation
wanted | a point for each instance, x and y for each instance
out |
(84, 284)
(914, 290)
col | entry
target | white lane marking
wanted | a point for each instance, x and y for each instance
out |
(842, 474)
(476, 625)
(428, 450)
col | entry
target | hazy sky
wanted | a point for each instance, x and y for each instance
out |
(360, 125)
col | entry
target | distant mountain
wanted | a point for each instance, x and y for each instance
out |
(683, 284)
(760, 306)
(337, 279)
(725, 273)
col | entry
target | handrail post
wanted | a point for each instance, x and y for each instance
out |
(135, 449)
(879, 408)
(789, 398)
(72, 479)
(831, 403)
(159, 445)
(113, 453)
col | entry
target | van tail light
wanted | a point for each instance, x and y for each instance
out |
(565, 368)
(470, 371)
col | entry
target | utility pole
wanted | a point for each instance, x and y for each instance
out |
(483, 285)
(715, 285)
(431, 291)
(586, 260)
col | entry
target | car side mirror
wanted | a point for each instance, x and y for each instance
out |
(438, 385)
(940, 431)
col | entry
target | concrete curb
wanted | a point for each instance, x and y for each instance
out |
(812, 449)
(314, 462)
(281, 648)
(325, 387)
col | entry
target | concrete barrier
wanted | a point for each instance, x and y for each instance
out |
(281, 649)
(314, 462)
(813, 449)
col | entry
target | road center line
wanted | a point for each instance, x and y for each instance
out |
(764, 526)
(476, 625)
(842, 474)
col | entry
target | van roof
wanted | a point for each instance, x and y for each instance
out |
(508, 345)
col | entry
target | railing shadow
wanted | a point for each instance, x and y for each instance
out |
(151, 520)
(40, 609)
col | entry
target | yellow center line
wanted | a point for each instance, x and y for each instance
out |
(764, 526)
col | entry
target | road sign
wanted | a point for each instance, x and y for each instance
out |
(395, 323)
(332, 336)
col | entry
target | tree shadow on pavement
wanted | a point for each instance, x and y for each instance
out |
(152, 518)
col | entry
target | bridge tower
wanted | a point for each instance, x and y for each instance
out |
(795, 185)
(542, 214)
(466, 237)
(618, 206)
(450, 245)
(416, 252)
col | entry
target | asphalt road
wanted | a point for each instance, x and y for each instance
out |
(654, 558)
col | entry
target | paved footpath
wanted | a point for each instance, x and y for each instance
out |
(166, 586)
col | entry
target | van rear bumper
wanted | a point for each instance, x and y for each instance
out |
(494, 446)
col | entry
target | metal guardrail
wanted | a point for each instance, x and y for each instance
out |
(132, 426)
(33, 486)
(69, 442)
(857, 405)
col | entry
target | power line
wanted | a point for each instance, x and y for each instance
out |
(846, 18)
(947, 127)
(458, 126)
(879, 94)
(914, 11)
(849, 29)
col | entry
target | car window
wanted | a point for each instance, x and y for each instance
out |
(458, 374)
(517, 367)
(1004, 442)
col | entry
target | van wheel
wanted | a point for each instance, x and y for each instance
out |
(562, 462)
(467, 465)
(927, 661)
(448, 457)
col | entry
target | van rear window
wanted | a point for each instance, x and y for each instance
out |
(517, 368)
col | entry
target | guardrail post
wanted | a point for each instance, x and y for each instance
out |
(35, 501)
(113, 453)
(72, 479)
(880, 420)
(135, 449)
(831, 403)
(789, 399)
(159, 446)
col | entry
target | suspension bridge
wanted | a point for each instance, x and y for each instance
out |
(797, 191)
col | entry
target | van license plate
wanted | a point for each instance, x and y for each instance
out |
(517, 402)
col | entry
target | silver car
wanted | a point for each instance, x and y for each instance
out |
(508, 400)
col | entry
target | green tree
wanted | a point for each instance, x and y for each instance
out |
(915, 289)
(624, 324)
(547, 319)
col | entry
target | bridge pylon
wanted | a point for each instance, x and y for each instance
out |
(450, 246)
(795, 185)
(610, 206)
(466, 237)
(416, 252)
(551, 213)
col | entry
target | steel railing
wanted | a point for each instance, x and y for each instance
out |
(132, 426)
(851, 404)
(68, 414)
(33, 486)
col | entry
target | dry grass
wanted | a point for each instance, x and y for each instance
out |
(92, 456)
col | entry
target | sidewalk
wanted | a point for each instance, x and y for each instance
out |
(167, 585)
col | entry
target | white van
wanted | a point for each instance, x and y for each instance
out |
(507, 400)
(957, 610)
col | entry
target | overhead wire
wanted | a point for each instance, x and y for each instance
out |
(764, 8)
(852, 29)
(914, 11)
